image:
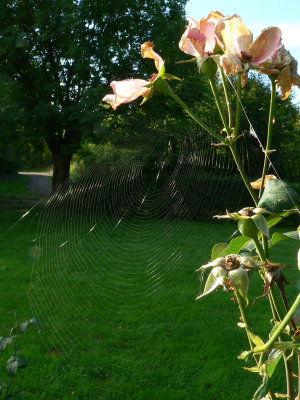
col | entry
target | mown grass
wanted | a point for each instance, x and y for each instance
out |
(179, 350)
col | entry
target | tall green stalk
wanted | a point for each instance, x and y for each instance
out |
(219, 105)
(238, 109)
(270, 131)
(229, 108)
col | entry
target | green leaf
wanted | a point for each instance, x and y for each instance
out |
(278, 196)
(261, 223)
(217, 250)
(278, 237)
(273, 360)
(255, 339)
(12, 368)
(235, 246)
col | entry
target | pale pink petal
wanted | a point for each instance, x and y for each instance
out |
(126, 91)
(266, 46)
(231, 64)
(129, 87)
(234, 36)
(148, 52)
(207, 27)
(192, 42)
(110, 99)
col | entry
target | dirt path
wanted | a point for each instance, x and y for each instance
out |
(40, 182)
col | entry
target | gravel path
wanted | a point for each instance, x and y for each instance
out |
(40, 182)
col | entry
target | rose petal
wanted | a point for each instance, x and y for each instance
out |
(284, 81)
(231, 64)
(192, 42)
(148, 52)
(234, 36)
(126, 91)
(207, 27)
(266, 46)
(257, 184)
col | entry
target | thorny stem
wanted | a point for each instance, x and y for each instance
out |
(229, 109)
(270, 131)
(238, 105)
(219, 105)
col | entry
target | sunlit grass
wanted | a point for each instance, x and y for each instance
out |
(187, 351)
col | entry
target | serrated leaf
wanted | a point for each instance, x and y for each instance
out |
(217, 250)
(261, 223)
(235, 246)
(255, 339)
(12, 368)
(273, 360)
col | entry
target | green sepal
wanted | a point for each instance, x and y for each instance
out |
(246, 355)
(240, 281)
(255, 339)
(171, 77)
(191, 60)
(252, 369)
(264, 387)
(214, 280)
(261, 223)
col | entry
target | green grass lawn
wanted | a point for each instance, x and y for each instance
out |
(130, 333)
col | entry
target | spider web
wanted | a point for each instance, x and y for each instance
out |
(116, 249)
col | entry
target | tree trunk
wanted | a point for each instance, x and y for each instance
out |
(61, 171)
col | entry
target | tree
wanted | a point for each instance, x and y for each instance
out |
(62, 54)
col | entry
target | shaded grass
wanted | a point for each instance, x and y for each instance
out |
(182, 349)
(15, 187)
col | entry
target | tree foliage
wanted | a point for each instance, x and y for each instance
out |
(60, 56)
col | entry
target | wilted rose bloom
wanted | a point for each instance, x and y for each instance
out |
(285, 67)
(229, 271)
(199, 39)
(240, 50)
(130, 89)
